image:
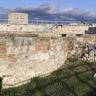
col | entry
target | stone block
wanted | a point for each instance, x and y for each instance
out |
(42, 46)
(12, 57)
(3, 51)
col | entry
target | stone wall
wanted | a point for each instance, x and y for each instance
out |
(50, 29)
(3, 50)
(27, 57)
(22, 58)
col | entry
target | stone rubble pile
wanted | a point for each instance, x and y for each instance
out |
(85, 51)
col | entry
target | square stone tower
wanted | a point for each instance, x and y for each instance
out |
(17, 18)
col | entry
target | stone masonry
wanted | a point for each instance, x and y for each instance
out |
(22, 58)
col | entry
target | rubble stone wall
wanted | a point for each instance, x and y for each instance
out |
(22, 58)
(27, 57)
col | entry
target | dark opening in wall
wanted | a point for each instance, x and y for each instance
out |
(8, 25)
(79, 35)
(21, 28)
(64, 35)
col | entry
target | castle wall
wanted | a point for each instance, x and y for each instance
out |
(21, 28)
(22, 58)
(70, 30)
(27, 57)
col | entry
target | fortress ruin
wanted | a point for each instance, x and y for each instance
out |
(29, 50)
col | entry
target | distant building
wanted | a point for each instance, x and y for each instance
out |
(17, 18)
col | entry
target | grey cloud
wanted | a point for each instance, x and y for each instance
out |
(50, 12)
(80, 15)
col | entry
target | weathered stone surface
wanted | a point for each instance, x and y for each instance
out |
(3, 51)
(12, 58)
(23, 58)
(42, 45)
(30, 57)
